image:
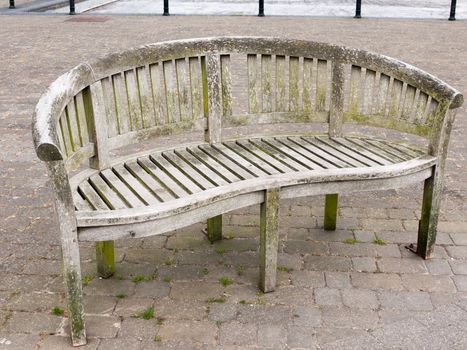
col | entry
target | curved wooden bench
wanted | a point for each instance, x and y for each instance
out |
(157, 138)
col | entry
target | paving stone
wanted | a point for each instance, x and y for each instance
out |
(459, 267)
(98, 326)
(376, 280)
(192, 240)
(405, 334)
(195, 290)
(60, 342)
(128, 271)
(137, 328)
(109, 287)
(389, 316)
(329, 236)
(360, 298)
(181, 310)
(328, 263)
(364, 264)
(413, 301)
(277, 314)
(301, 337)
(388, 251)
(328, 296)
(293, 261)
(12, 341)
(154, 242)
(358, 249)
(339, 280)
(129, 306)
(222, 312)
(342, 317)
(306, 316)
(99, 304)
(461, 282)
(428, 283)
(327, 335)
(457, 252)
(234, 333)
(152, 256)
(395, 265)
(308, 279)
(119, 343)
(438, 267)
(36, 302)
(272, 335)
(152, 289)
(459, 238)
(203, 332)
(364, 236)
(306, 247)
(290, 295)
(33, 323)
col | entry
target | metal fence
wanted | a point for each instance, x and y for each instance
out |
(358, 8)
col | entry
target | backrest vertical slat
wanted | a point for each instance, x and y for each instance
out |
(183, 84)
(266, 83)
(145, 96)
(395, 97)
(253, 82)
(337, 100)
(321, 84)
(226, 86)
(409, 103)
(368, 93)
(73, 125)
(110, 110)
(158, 92)
(214, 103)
(196, 87)
(94, 102)
(173, 107)
(421, 107)
(383, 91)
(121, 100)
(134, 104)
(355, 89)
(81, 115)
(281, 91)
(307, 93)
(294, 93)
(61, 141)
(66, 134)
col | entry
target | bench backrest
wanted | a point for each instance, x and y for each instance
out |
(182, 86)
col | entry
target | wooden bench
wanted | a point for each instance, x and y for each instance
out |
(157, 138)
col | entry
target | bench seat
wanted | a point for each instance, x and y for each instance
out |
(160, 184)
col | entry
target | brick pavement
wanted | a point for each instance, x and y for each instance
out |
(331, 295)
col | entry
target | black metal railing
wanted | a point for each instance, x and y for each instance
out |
(358, 8)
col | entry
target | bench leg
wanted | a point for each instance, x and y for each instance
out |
(105, 258)
(330, 212)
(215, 228)
(269, 240)
(65, 210)
(427, 227)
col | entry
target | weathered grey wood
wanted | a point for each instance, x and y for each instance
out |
(269, 240)
(196, 87)
(64, 209)
(281, 90)
(321, 85)
(226, 86)
(337, 100)
(165, 89)
(214, 228)
(294, 93)
(105, 258)
(214, 103)
(99, 131)
(266, 83)
(253, 84)
(184, 93)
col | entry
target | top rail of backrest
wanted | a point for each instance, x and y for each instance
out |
(54, 101)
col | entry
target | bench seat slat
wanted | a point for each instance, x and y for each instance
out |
(349, 152)
(119, 186)
(319, 152)
(291, 152)
(375, 150)
(278, 155)
(213, 165)
(320, 162)
(334, 152)
(149, 182)
(135, 184)
(107, 192)
(389, 150)
(92, 197)
(363, 151)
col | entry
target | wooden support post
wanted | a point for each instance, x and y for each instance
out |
(65, 210)
(215, 228)
(330, 212)
(105, 258)
(269, 240)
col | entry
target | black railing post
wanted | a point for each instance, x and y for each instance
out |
(166, 8)
(452, 14)
(358, 9)
(261, 8)
(12, 4)
(72, 7)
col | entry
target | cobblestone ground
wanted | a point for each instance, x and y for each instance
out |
(331, 295)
